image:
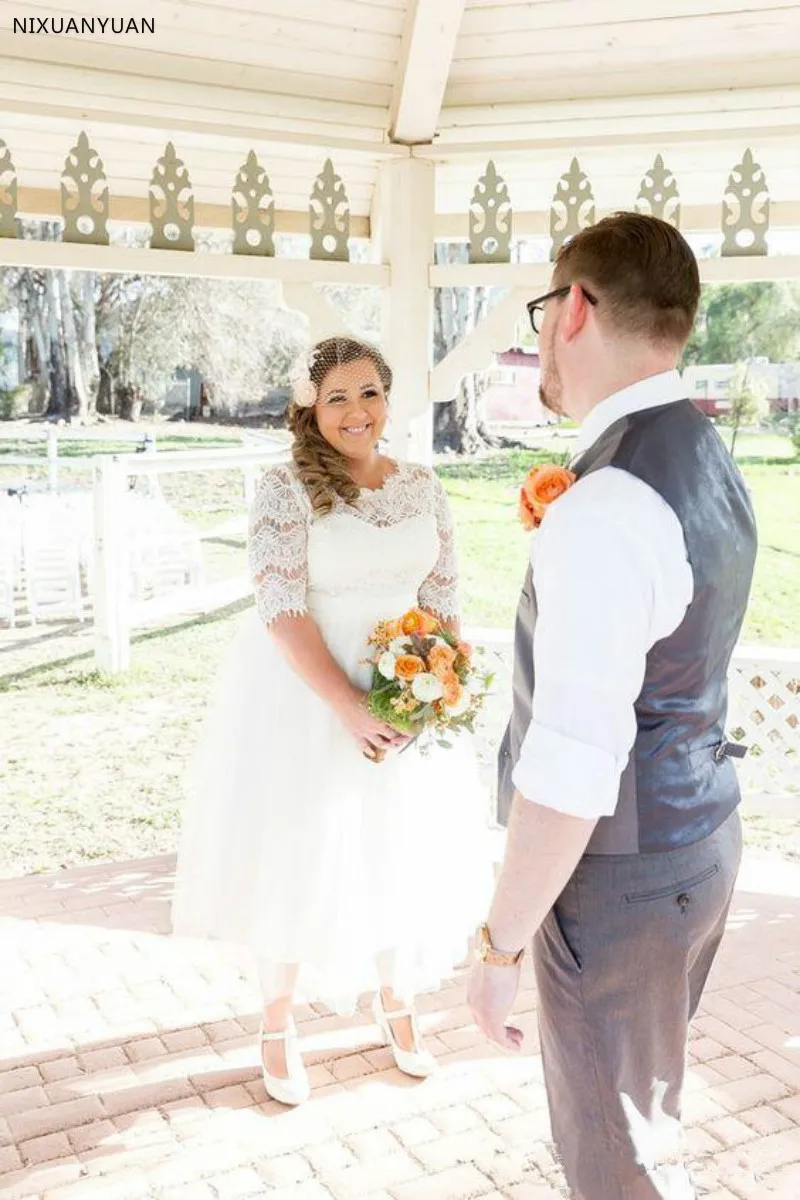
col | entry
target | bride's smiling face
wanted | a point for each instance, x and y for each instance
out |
(351, 408)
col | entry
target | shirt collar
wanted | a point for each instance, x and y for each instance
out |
(665, 388)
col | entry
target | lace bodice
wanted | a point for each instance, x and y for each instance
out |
(395, 541)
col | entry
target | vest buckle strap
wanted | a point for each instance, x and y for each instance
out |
(730, 750)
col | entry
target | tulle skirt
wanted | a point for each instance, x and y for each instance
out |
(340, 874)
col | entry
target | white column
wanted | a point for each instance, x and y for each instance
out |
(403, 224)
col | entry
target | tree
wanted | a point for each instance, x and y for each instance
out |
(458, 425)
(746, 320)
(111, 343)
(748, 401)
(57, 312)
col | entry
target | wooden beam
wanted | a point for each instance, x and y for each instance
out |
(163, 98)
(480, 151)
(324, 320)
(427, 54)
(135, 210)
(16, 252)
(474, 353)
(536, 276)
(327, 142)
(508, 121)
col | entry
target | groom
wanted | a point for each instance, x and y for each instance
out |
(616, 778)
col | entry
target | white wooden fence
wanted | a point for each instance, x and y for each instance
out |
(115, 613)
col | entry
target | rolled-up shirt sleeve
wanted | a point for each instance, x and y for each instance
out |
(611, 577)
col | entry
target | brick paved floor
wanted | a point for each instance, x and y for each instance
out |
(128, 1067)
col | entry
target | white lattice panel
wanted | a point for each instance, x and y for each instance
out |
(764, 714)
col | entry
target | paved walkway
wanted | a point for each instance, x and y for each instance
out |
(128, 1067)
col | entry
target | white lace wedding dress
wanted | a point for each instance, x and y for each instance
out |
(295, 844)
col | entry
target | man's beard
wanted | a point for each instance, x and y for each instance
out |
(550, 392)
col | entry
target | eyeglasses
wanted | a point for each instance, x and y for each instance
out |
(536, 307)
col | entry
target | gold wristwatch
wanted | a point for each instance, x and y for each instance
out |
(486, 952)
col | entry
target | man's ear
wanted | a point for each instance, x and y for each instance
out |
(576, 310)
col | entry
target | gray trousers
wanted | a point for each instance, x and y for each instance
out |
(621, 962)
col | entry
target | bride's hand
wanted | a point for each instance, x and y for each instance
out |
(370, 733)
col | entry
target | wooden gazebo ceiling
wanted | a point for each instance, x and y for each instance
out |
(530, 84)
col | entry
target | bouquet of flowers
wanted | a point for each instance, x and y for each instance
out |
(424, 680)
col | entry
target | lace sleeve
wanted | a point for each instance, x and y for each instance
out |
(278, 545)
(439, 592)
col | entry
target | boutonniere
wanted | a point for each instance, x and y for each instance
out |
(543, 485)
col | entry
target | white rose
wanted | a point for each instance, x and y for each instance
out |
(475, 686)
(386, 665)
(400, 645)
(427, 688)
(460, 707)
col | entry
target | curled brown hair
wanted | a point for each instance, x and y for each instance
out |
(321, 468)
(644, 273)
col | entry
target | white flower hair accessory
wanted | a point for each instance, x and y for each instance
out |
(304, 393)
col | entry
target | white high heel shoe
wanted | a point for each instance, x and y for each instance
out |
(418, 1063)
(295, 1089)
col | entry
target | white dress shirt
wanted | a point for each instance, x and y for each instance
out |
(612, 578)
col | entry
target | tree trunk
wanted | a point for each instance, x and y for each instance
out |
(59, 401)
(458, 424)
(77, 381)
(87, 340)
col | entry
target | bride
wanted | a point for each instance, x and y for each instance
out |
(345, 865)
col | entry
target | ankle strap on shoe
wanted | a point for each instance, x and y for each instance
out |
(278, 1035)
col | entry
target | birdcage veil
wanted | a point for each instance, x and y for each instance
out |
(311, 367)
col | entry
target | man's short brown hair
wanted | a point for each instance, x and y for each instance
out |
(643, 272)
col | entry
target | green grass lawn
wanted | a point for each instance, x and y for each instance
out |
(494, 549)
(94, 770)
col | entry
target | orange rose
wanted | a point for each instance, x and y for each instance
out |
(452, 689)
(408, 665)
(440, 661)
(542, 486)
(417, 621)
(465, 651)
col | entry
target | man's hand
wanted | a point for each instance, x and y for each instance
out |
(491, 995)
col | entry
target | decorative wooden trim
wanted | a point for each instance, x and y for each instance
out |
(745, 210)
(490, 218)
(42, 202)
(695, 218)
(252, 210)
(329, 216)
(84, 195)
(70, 256)
(9, 192)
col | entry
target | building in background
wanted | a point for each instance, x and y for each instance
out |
(708, 386)
(511, 396)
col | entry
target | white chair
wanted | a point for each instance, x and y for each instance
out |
(165, 551)
(10, 557)
(8, 578)
(51, 556)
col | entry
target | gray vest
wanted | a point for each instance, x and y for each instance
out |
(679, 784)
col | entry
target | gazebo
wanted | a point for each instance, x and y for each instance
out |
(373, 129)
(399, 122)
